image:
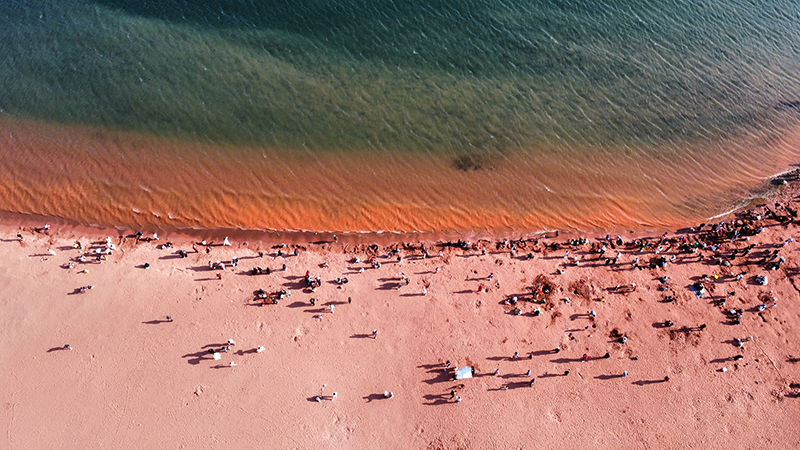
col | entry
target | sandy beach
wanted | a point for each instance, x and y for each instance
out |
(605, 353)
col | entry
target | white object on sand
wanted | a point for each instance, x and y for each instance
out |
(260, 349)
(233, 364)
(465, 372)
(231, 342)
(51, 251)
(226, 241)
(217, 356)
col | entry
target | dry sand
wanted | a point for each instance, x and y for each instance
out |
(134, 380)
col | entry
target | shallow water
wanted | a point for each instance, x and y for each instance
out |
(371, 116)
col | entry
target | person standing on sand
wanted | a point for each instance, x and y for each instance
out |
(374, 334)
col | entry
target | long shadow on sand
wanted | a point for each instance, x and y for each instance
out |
(646, 382)
(369, 398)
(360, 336)
(512, 385)
(609, 377)
(56, 349)
(436, 399)
(195, 358)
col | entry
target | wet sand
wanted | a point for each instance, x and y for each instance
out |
(132, 379)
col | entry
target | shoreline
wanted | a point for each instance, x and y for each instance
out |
(772, 188)
(109, 178)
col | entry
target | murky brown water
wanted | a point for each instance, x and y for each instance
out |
(92, 177)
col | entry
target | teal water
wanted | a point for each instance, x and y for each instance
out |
(434, 75)
(474, 81)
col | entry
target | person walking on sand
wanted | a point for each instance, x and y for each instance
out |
(374, 334)
(331, 307)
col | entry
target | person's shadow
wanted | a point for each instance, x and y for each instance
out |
(372, 397)
(436, 399)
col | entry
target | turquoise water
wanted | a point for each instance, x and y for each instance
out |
(492, 76)
(476, 82)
